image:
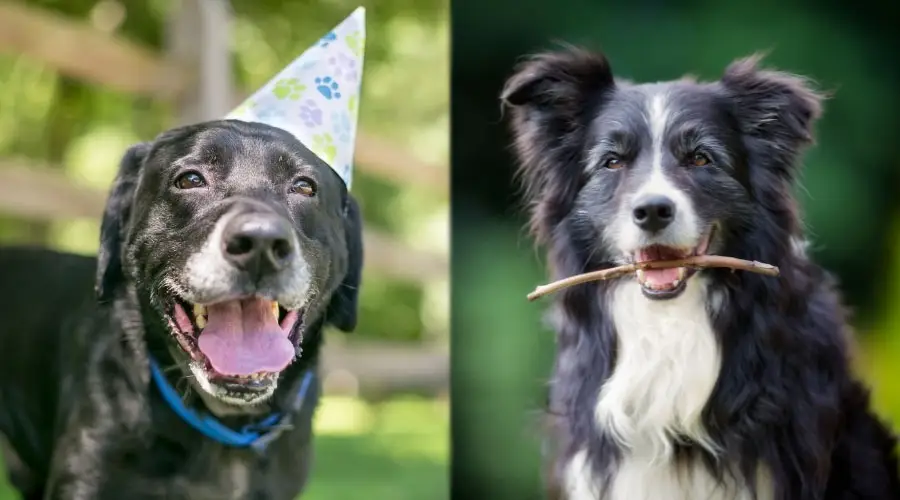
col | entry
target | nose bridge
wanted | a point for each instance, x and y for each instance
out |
(256, 202)
(249, 185)
(647, 180)
(655, 180)
(243, 203)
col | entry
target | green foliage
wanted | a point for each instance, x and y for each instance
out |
(501, 352)
(395, 450)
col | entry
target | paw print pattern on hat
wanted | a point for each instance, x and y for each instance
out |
(329, 88)
(288, 88)
(316, 98)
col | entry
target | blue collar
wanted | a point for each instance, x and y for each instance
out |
(256, 435)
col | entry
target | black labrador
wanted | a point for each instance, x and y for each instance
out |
(226, 247)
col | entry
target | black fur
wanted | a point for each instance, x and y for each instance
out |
(785, 396)
(76, 402)
(344, 302)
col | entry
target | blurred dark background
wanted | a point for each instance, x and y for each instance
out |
(501, 351)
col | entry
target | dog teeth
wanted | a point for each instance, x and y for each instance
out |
(275, 310)
(200, 315)
(640, 275)
(682, 273)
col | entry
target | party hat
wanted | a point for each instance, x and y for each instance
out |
(316, 98)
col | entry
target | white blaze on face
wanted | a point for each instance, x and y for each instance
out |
(684, 231)
(658, 119)
(207, 269)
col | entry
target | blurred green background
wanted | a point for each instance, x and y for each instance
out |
(383, 427)
(501, 350)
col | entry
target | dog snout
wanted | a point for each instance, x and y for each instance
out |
(654, 213)
(258, 243)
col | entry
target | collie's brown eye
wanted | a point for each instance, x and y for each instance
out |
(700, 160)
(304, 186)
(613, 163)
(190, 180)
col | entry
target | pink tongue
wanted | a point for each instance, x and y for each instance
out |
(660, 276)
(243, 337)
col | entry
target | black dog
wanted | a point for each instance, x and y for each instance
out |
(226, 247)
(676, 383)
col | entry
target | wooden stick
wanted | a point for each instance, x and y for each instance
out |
(699, 261)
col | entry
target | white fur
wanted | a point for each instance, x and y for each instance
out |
(657, 118)
(668, 360)
(684, 231)
(799, 246)
(579, 482)
(208, 270)
(220, 394)
(667, 364)
(638, 479)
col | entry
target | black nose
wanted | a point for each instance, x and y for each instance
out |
(654, 213)
(258, 243)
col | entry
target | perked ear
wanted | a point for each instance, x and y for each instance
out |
(115, 219)
(342, 310)
(553, 98)
(773, 106)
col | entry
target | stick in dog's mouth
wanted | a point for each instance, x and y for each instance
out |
(697, 261)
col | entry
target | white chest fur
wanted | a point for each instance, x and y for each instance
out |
(637, 478)
(667, 364)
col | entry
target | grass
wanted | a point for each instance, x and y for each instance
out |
(395, 450)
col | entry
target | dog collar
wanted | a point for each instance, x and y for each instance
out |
(256, 435)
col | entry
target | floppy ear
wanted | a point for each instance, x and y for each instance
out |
(553, 76)
(553, 98)
(775, 110)
(342, 310)
(115, 219)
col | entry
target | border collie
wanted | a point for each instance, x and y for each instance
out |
(681, 384)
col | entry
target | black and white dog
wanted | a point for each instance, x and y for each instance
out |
(681, 384)
(226, 247)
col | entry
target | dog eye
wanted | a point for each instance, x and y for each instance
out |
(304, 186)
(700, 160)
(613, 163)
(190, 180)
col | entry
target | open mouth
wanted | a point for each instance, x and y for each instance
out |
(240, 344)
(667, 283)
